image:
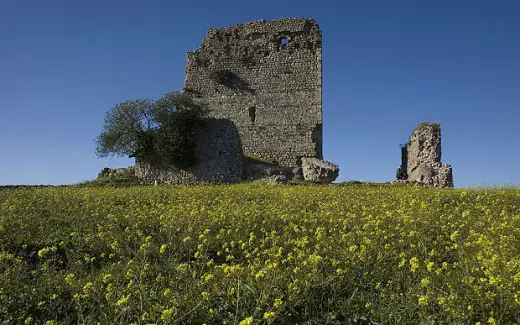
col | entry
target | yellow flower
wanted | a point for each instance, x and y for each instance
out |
(269, 316)
(43, 251)
(124, 300)
(425, 282)
(402, 262)
(163, 248)
(247, 321)
(167, 314)
(423, 300)
(414, 264)
(87, 286)
(106, 277)
(69, 279)
(454, 235)
(260, 274)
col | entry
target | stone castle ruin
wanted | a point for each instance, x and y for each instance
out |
(273, 90)
(261, 86)
(421, 158)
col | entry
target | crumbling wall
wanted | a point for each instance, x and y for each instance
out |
(218, 158)
(266, 77)
(421, 158)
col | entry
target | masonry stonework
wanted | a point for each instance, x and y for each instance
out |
(265, 77)
(421, 158)
(260, 86)
(218, 155)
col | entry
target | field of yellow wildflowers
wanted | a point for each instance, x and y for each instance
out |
(256, 254)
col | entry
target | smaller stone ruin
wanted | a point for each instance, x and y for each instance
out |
(421, 158)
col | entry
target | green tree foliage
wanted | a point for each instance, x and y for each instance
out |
(175, 139)
(125, 128)
(161, 130)
(177, 118)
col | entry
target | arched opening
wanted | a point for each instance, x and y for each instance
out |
(283, 41)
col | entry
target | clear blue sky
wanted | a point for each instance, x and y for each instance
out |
(387, 65)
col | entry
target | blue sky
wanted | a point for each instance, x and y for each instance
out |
(387, 65)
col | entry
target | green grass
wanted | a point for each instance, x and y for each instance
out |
(255, 254)
(114, 181)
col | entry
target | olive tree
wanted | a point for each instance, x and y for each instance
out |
(126, 128)
(163, 129)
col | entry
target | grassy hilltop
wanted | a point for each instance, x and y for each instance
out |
(256, 254)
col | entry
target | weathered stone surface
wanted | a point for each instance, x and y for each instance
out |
(254, 171)
(443, 176)
(271, 91)
(421, 158)
(319, 171)
(265, 79)
(115, 172)
(218, 155)
(297, 173)
(277, 179)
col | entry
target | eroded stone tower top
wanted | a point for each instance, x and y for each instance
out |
(421, 158)
(265, 77)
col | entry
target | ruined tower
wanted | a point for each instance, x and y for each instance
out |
(266, 78)
(260, 86)
(421, 158)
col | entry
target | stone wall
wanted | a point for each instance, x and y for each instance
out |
(265, 77)
(421, 158)
(218, 156)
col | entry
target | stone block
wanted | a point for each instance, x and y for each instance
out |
(319, 171)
